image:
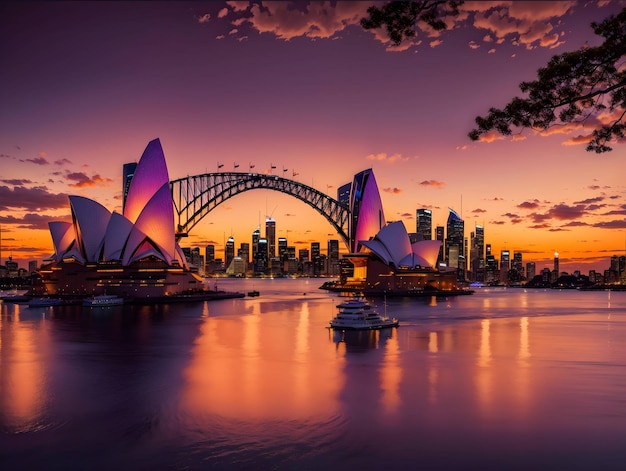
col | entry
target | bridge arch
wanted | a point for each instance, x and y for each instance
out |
(195, 196)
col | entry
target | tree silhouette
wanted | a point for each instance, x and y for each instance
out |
(583, 86)
(586, 87)
(401, 18)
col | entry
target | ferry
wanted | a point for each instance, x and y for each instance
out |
(356, 314)
(44, 302)
(103, 300)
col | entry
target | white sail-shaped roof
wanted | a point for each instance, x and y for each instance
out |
(396, 240)
(393, 247)
(62, 237)
(115, 237)
(149, 177)
(90, 223)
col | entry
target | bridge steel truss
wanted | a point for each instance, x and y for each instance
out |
(195, 196)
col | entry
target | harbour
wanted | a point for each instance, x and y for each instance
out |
(505, 378)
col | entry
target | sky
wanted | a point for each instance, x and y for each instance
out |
(84, 86)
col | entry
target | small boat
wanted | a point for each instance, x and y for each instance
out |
(253, 293)
(356, 314)
(44, 302)
(103, 300)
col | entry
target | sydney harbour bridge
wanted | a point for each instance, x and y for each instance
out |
(195, 196)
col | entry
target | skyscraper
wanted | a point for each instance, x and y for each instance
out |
(424, 223)
(229, 251)
(270, 236)
(128, 171)
(333, 257)
(505, 265)
(455, 235)
(439, 235)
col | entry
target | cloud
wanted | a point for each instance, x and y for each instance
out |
(315, 20)
(597, 199)
(222, 13)
(31, 199)
(16, 182)
(394, 190)
(203, 18)
(490, 137)
(433, 183)
(529, 204)
(384, 157)
(32, 221)
(575, 224)
(563, 211)
(37, 161)
(544, 225)
(474, 45)
(289, 215)
(83, 181)
(615, 224)
(62, 162)
(578, 140)
(435, 42)
(498, 223)
(515, 218)
(479, 210)
(407, 215)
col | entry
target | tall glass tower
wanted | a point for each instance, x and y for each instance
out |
(270, 235)
(424, 223)
(455, 233)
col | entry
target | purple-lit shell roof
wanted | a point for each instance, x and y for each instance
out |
(62, 237)
(146, 228)
(371, 217)
(115, 237)
(150, 175)
(157, 221)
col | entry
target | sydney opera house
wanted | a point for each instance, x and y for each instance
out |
(134, 254)
(383, 258)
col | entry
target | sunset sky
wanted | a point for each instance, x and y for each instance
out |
(85, 86)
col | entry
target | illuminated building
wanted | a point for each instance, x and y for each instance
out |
(270, 236)
(134, 254)
(424, 223)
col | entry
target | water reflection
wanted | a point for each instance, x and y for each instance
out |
(23, 378)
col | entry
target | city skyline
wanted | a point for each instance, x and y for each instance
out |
(307, 94)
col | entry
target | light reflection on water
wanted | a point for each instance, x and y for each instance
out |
(503, 378)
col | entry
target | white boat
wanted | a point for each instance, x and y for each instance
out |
(356, 314)
(103, 300)
(42, 302)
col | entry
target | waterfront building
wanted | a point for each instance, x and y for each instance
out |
(530, 270)
(390, 264)
(134, 254)
(555, 270)
(32, 266)
(424, 223)
(518, 266)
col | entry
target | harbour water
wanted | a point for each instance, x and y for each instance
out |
(502, 379)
